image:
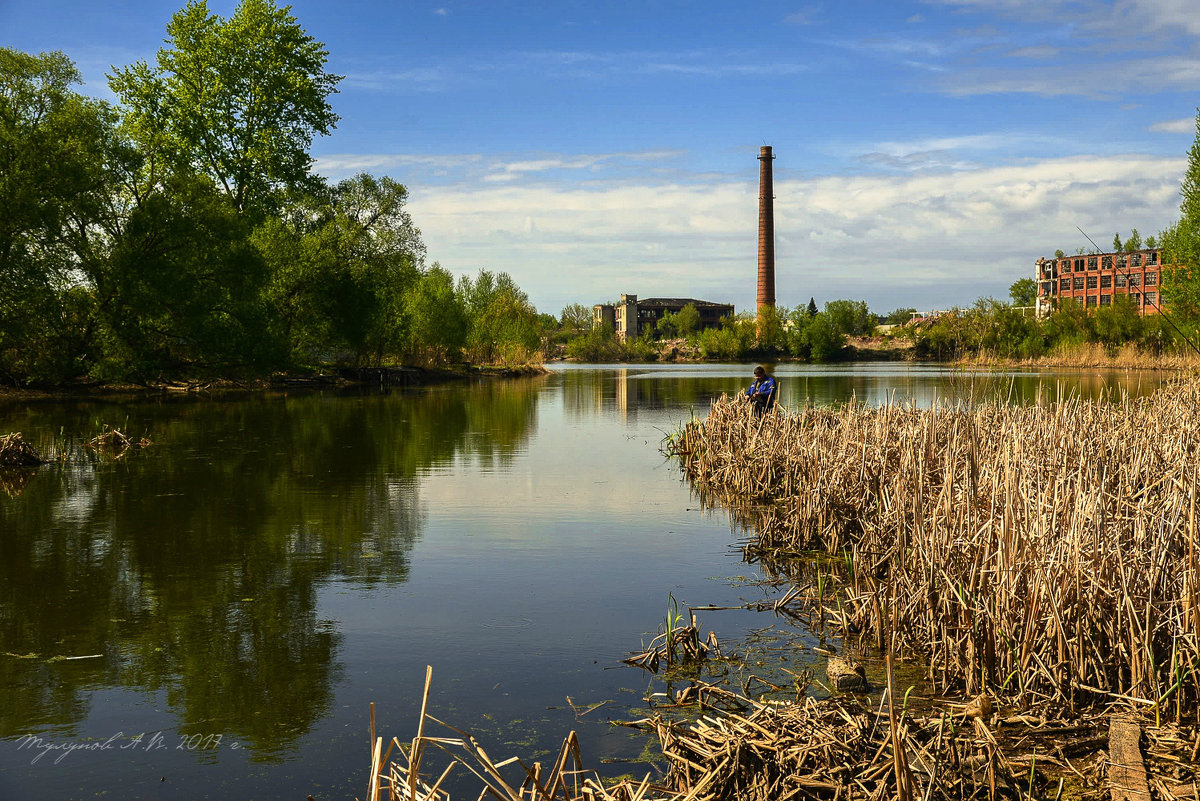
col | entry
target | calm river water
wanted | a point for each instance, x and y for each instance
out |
(211, 617)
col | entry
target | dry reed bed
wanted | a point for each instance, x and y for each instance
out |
(1091, 355)
(1042, 552)
(742, 749)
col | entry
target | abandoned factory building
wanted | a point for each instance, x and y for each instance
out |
(1093, 280)
(629, 316)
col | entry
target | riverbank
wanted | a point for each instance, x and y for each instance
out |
(898, 348)
(1090, 356)
(347, 378)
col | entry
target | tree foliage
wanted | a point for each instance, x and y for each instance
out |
(1023, 292)
(181, 232)
(1181, 244)
(57, 155)
(576, 318)
(237, 99)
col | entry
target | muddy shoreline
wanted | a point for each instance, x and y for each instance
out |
(340, 378)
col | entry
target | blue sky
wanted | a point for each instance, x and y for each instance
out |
(928, 152)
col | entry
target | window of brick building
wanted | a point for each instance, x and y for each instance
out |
(1152, 257)
(1106, 300)
(1122, 279)
(1135, 260)
(1105, 281)
(1091, 282)
(1122, 260)
(1091, 262)
(1106, 262)
(1065, 265)
(1151, 298)
(1135, 280)
(1078, 264)
(1064, 284)
(1079, 282)
(1151, 279)
(1091, 300)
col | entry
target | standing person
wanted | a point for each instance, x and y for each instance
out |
(763, 391)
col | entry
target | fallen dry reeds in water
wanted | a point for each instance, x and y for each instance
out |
(1045, 552)
(114, 440)
(15, 451)
(741, 749)
(676, 645)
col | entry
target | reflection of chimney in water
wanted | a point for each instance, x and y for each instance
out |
(766, 231)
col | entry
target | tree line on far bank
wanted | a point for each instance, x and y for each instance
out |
(990, 326)
(997, 328)
(803, 333)
(181, 232)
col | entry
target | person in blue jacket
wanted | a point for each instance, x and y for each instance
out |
(763, 391)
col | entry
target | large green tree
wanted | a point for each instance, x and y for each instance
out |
(503, 325)
(237, 99)
(1181, 244)
(182, 289)
(437, 321)
(341, 260)
(56, 179)
(1023, 292)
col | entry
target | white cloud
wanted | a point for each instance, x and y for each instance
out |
(1103, 79)
(1126, 17)
(419, 79)
(1185, 125)
(804, 16)
(1034, 52)
(339, 165)
(912, 239)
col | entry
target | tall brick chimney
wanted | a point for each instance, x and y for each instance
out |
(766, 232)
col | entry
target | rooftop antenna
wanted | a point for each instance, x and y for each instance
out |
(1162, 312)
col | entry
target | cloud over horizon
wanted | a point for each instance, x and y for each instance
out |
(935, 238)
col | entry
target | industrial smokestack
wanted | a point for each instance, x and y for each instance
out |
(766, 232)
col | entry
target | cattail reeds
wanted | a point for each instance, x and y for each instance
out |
(1047, 552)
(678, 644)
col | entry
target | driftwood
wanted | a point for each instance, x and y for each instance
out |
(1126, 770)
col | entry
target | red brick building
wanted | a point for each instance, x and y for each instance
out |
(1094, 279)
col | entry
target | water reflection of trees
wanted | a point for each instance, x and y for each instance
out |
(194, 567)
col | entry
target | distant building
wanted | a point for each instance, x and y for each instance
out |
(1093, 280)
(629, 316)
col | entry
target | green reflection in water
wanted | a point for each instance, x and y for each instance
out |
(192, 567)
